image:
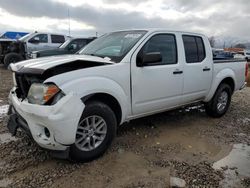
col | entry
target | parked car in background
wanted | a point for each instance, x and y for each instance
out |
(70, 46)
(75, 103)
(223, 55)
(239, 56)
(247, 54)
(17, 50)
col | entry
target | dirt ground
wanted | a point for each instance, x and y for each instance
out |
(184, 143)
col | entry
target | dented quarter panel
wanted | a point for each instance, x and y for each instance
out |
(98, 80)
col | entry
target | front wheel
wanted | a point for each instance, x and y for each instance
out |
(12, 58)
(220, 102)
(95, 132)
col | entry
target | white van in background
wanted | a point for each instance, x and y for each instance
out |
(247, 54)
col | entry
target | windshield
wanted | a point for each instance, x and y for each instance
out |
(25, 37)
(113, 45)
(65, 44)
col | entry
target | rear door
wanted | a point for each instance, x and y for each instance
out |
(197, 68)
(56, 40)
(159, 86)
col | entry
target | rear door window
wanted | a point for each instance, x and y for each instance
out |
(57, 39)
(194, 49)
(81, 43)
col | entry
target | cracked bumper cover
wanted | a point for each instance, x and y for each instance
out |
(60, 119)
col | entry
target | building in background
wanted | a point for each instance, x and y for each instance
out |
(235, 50)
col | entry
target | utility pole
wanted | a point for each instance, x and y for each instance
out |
(69, 21)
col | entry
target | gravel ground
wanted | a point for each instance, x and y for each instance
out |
(183, 143)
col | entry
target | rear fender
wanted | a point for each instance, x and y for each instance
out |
(225, 73)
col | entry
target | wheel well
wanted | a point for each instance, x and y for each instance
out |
(230, 82)
(108, 100)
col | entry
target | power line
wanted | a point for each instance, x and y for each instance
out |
(69, 21)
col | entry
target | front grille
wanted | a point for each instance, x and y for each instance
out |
(22, 86)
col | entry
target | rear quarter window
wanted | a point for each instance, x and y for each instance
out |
(194, 49)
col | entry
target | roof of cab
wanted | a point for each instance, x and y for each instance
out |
(152, 30)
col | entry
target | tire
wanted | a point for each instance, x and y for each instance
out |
(99, 110)
(1, 49)
(12, 58)
(218, 105)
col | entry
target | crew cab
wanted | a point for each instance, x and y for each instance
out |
(17, 50)
(75, 103)
(71, 46)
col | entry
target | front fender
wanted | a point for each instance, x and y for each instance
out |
(225, 73)
(91, 85)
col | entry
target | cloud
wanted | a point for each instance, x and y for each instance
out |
(211, 17)
(128, 1)
(101, 19)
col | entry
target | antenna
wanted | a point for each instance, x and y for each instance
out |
(69, 21)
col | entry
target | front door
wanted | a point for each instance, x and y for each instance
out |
(157, 86)
(38, 42)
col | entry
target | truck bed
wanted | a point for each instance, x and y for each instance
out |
(234, 67)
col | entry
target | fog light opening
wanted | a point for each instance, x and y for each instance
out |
(46, 131)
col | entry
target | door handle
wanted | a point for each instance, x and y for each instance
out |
(206, 69)
(177, 72)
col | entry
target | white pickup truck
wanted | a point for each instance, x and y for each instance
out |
(75, 103)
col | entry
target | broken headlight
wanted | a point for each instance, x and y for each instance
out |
(44, 94)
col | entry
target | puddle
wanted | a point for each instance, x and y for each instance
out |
(3, 110)
(236, 165)
(6, 137)
(5, 182)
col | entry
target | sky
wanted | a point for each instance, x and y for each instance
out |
(225, 19)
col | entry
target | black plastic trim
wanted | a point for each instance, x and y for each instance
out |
(229, 61)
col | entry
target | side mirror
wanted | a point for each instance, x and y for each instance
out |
(149, 59)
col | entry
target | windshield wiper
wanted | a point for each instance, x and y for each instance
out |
(95, 55)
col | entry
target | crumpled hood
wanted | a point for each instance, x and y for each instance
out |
(55, 61)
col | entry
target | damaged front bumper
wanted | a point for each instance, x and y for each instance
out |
(52, 127)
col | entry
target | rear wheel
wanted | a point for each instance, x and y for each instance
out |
(95, 132)
(220, 102)
(12, 58)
